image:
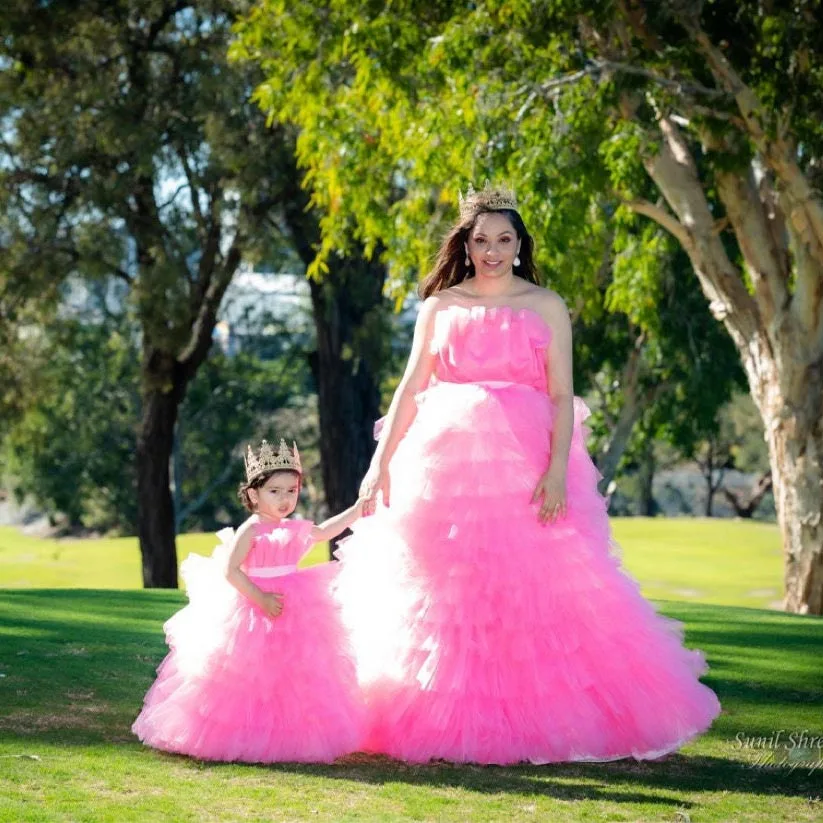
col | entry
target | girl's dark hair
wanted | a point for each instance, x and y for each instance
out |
(450, 266)
(243, 490)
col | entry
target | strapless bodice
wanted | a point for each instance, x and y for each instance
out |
(278, 544)
(482, 343)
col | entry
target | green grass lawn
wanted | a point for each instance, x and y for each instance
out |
(731, 562)
(704, 560)
(100, 563)
(75, 664)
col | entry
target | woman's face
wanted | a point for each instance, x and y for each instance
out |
(492, 245)
(277, 497)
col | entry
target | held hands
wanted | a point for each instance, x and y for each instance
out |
(271, 603)
(359, 506)
(376, 480)
(552, 488)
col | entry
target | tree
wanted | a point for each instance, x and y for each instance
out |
(658, 371)
(352, 337)
(602, 117)
(72, 448)
(713, 460)
(130, 148)
(230, 402)
(747, 508)
(740, 424)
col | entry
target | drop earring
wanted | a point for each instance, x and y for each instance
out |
(517, 260)
(468, 262)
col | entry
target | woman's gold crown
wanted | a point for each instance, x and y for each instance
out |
(267, 459)
(487, 199)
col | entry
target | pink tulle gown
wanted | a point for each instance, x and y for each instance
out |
(481, 634)
(239, 685)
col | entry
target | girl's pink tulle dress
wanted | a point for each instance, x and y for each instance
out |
(482, 635)
(239, 685)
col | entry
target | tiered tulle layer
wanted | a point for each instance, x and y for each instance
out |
(485, 636)
(239, 685)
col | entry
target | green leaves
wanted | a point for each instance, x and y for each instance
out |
(73, 448)
(642, 256)
(398, 108)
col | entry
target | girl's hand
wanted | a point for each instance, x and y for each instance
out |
(376, 480)
(359, 506)
(552, 488)
(271, 603)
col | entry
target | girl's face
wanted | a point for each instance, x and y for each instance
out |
(493, 244)
(277, 497)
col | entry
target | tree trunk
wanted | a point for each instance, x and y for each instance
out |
(648, 507)
(636, 399)
(348, 311)
(710, 488)
(609, 458)
(707, 467)
(795, 436)
(746, 509)
(349, 316)
(779, 335)
(155, 516)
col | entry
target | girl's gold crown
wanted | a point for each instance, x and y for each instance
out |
(488, 199)
(267, 460)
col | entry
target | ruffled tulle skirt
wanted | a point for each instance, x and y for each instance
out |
(483, 635)
(238, 685)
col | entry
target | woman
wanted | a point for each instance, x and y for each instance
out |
(491, 620)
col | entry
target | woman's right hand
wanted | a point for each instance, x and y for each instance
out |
(375, 481)
(271, 603)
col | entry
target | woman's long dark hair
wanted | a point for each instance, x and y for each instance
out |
(450, 266)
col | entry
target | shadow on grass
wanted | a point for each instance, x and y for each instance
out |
(676, 774)
(33, 606)
(78, 663)
(61, 643)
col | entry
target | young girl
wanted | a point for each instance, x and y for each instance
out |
(259, 667)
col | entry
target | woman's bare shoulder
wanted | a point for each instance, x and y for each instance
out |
(550, 300)
(551, 307)
(449, 296)
(441, 300)
(433, 303)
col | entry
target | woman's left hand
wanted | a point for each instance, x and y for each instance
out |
(552, 488)
(376, 480)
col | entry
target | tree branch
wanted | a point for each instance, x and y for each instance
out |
(211, 248)
(122, 274)
(705, 111)
(805, 205)
(195, 351)
(197, 503)
(162, 21)
(674, 172)
(603, 393)
(768, 269)
(171, 199)
(677, 85)
(762, 486)
(184, 159)
(661, 216)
